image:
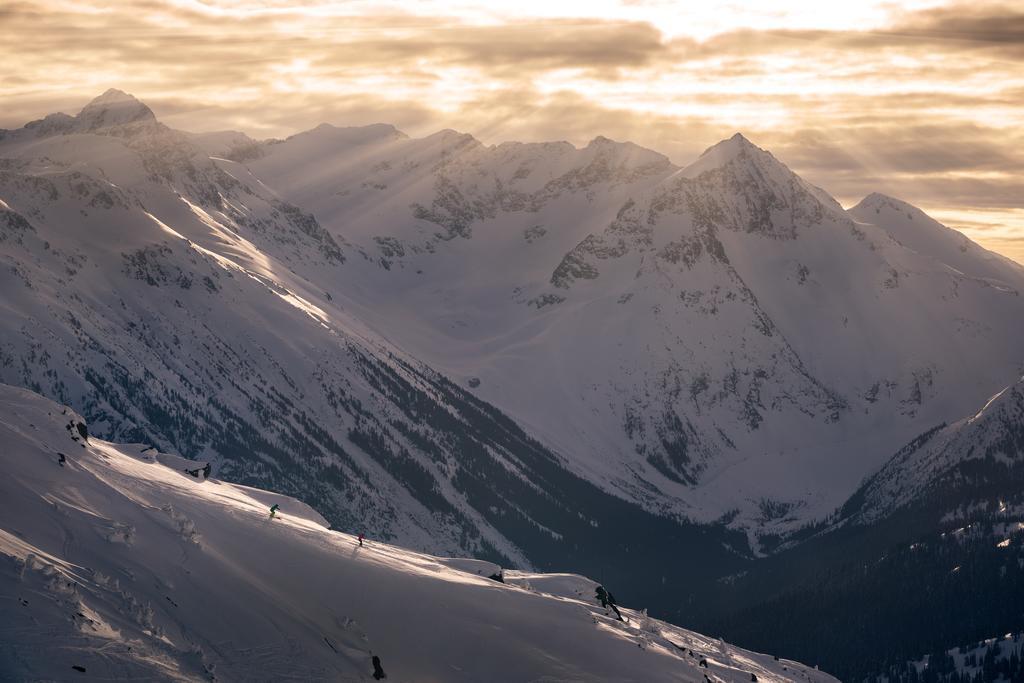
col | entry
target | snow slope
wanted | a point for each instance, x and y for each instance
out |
(116, 565)
(915, 230)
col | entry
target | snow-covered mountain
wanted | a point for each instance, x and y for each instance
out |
(961, 465)
(115, 563)
(718, 343)
(926, 555)
(990, 659)
(916, 231)
(174, 300)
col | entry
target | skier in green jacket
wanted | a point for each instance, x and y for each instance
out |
(273, 510)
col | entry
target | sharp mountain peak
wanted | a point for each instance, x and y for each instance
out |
(112, 108)
(727, 151)
(112, 95)
(116, 107)
(879, 202)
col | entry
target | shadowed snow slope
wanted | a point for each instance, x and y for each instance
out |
(978, 451)
(115, 565)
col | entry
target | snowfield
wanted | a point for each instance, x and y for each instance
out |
(117, 564)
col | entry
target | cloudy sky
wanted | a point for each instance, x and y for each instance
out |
(923, 100)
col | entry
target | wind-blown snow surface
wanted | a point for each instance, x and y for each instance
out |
(117, 564)
(721, 342)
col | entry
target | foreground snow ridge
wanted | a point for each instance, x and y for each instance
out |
(117, 564)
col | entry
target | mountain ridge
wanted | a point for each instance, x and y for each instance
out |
(119, 562)
(782, 203)
(594, 240)
(539, 354)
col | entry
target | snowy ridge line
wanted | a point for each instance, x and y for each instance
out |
(1000, 658)
(116, 563)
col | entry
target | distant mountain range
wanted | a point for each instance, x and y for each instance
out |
(548, 356)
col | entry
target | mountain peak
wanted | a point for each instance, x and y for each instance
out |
(876, 199)
(111, 96)
(450, 134)
(113, 108)
(731, 147)
(601, 141)
(724, 152)
(916, 230)
(738, 139)
(626, 154)
(450, 140)
(373, 131)
(878, 204)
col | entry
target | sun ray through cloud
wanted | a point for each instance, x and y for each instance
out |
(832, 90)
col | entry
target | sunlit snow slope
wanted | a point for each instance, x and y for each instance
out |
(118, 564)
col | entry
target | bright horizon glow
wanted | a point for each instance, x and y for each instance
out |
(921, 100)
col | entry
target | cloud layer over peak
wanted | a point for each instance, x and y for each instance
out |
(925, 102)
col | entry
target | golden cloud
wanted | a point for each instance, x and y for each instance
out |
(924, 104)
